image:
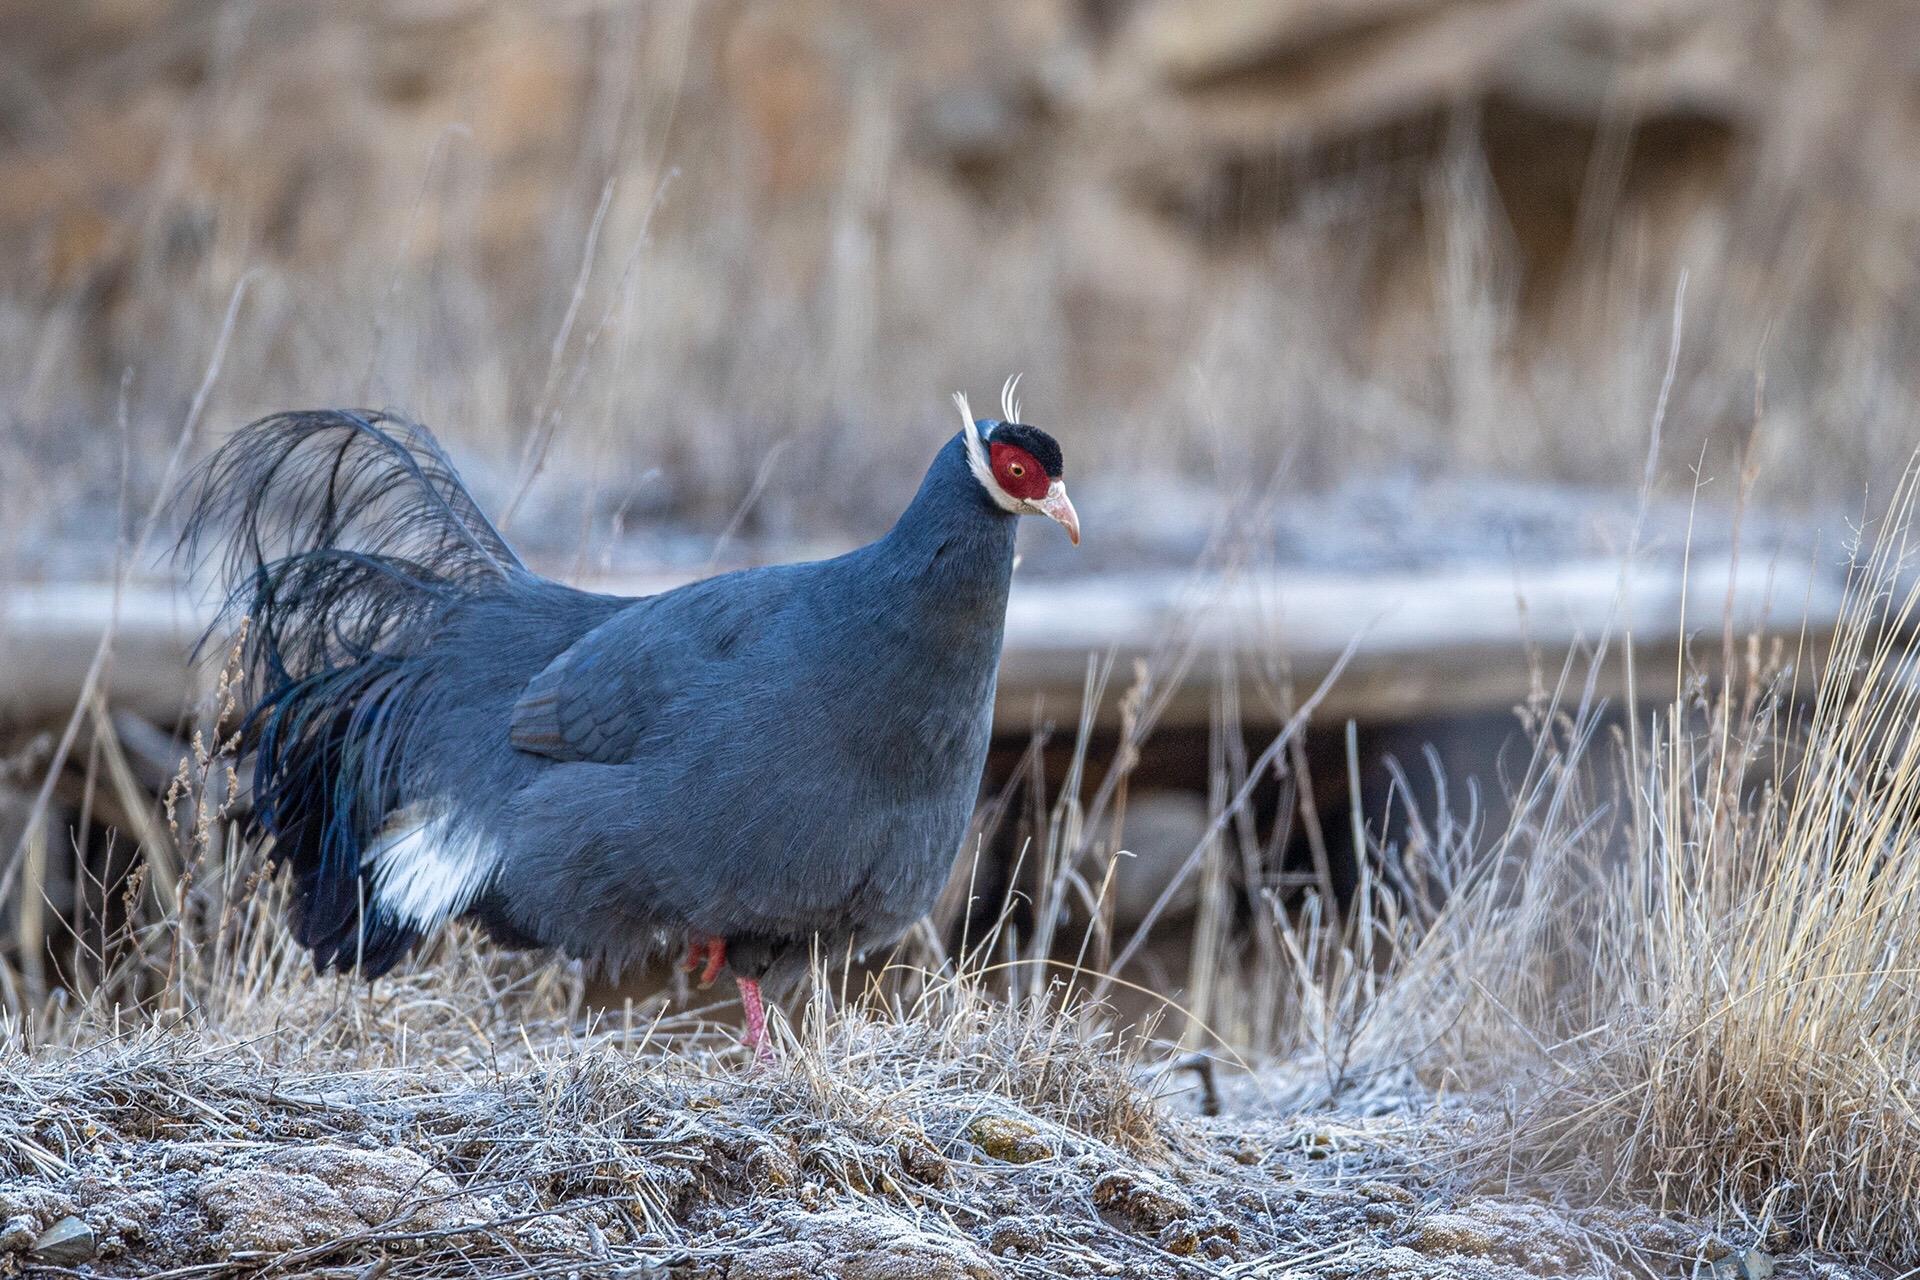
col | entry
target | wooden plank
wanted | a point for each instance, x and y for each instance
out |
(1422, 643)
(49, 634)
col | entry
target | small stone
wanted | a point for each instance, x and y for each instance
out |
(1012, 1237)
(1751, 1264)
(1449, 1233)
(771, 1166)
(1179, 1238)
(1385, 1193)
(65, 1243)
(1145, 1202)
(1004, 1138)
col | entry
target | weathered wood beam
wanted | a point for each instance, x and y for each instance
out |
(1414, 644)
(1408, 645)
(49, 634)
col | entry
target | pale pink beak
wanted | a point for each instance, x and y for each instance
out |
(1057, 506)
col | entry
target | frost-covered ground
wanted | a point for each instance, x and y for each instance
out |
(995, 1143)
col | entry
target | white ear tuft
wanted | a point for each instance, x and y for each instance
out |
(966, 415)
(1010, 399)
(977, 461)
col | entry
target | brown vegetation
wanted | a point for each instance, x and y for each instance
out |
(685, 253)
(1676, 983)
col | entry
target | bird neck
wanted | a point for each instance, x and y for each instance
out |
(953, 546)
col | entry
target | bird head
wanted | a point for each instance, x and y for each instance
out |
(1018, 465)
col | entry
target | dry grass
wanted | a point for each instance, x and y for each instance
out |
(466, 1119)
(210, 1108)
(1680, 978)
(662, 325)
(1753, 988)
(1686, 968)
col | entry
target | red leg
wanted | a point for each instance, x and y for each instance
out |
(756, 1039)
(705, 956)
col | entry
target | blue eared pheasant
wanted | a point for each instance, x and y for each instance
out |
(741, 766)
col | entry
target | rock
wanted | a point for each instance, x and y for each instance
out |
(1385, 1193)
(1450, 1233)
(1144, 1201)
(1751, 1264)
(66, 1243)
(855, 1245)
(305, 1196)
(1179, 1238)
(1008, 1139)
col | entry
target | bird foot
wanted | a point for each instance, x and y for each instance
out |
(706, 957)
(756, 1011)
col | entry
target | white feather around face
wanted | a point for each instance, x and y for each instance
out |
(425, 870)
(977, 459)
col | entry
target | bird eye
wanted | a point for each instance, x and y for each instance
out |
(1017, 470)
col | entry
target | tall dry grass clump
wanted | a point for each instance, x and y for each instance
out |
(1689, 961)
(1755, 972)
(1683, 969)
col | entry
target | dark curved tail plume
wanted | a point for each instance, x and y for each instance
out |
(347, 536)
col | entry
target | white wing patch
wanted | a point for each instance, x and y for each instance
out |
(426, 870)
(977, 461)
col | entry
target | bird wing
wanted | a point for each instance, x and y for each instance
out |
(596, 700)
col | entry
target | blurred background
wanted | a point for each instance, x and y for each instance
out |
(684, 253)
(1377, 305)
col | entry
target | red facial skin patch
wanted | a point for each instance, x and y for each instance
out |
(1017, 473)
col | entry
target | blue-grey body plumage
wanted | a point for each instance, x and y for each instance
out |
(785, 758)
